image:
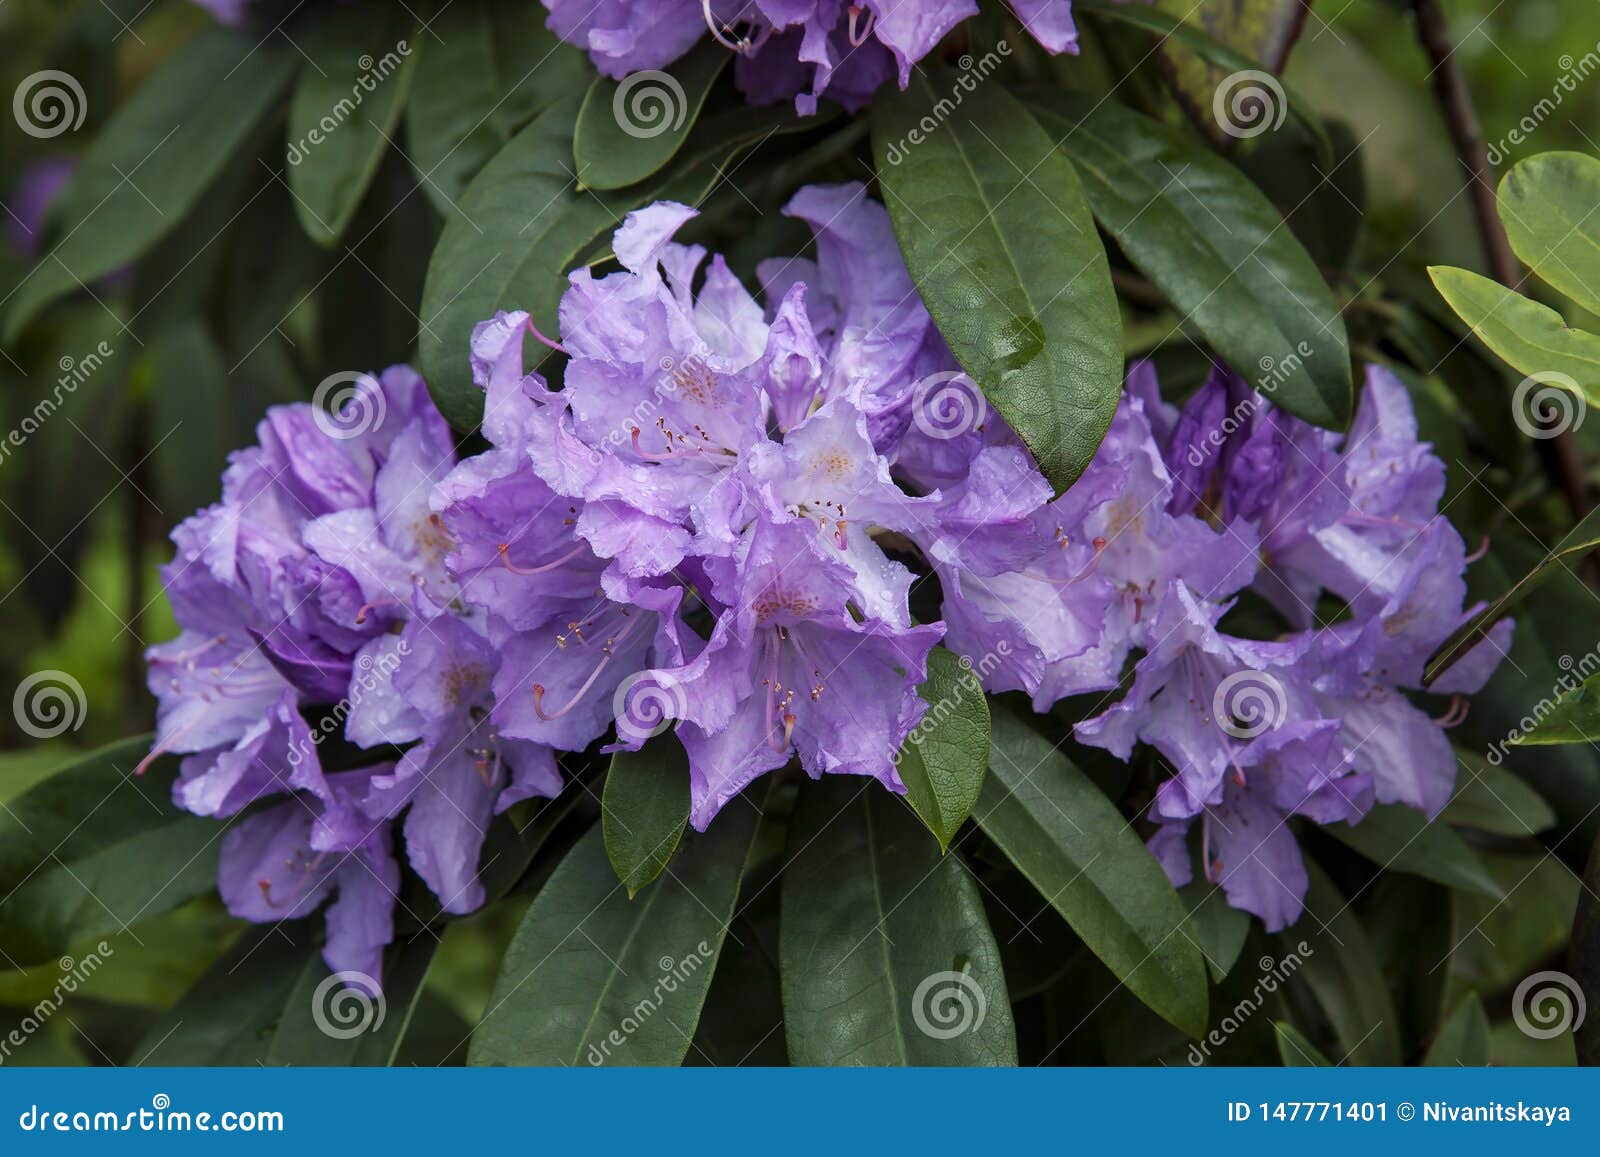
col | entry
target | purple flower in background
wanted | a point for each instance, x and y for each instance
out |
(226, 11)
(36, 190)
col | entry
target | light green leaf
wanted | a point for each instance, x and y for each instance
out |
(1402, 839)
(1547, 204)
(156, 158)
(885, 952)
(645, 810)
(592, 977)
(1213, 243)
(347, 102)
(1531, 338)
(943, 761)
(1076, 848)
(1001, 244)
(1574, 717)
(628, 130)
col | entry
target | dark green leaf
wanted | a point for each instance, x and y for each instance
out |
(1001, 244)
(1337, 960)
(93, 850)
(593, 977)
(628, 130)
(327, 1020)
(156, 158)
(197, 418)
(1493, 799)
(1208, 238)
(885, 952)
(645, 810)
(347, 102)
(1574, 545)
(943, 761)
(1083, 857)
(1402, 839)
(489, 68)
(1295, 1050)
(1217, 926)
(1463, 1039)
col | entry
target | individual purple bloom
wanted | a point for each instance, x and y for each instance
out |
(226, 11)
(28, 213)
(791, 670)
(1246, 843)
(461, 772)
(281, 863)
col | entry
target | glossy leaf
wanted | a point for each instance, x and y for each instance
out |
(1402, 839)
(345, 111)
(1493, 799)
(1574, 546)
(1547, 205)
(489, 67)
(592, 977)
(94, 849)
(628, 130)
(1213, 243)
(885, 952)
(325, 1022)
(1340, 965)
(1574, 717)
(1463, 1039)
(1532, 338)
(999, 239)
(1218, 928)
(942, 763)
(645, 810)
(156, 158)
(1076, 848)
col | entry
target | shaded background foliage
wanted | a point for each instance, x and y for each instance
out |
(238, 307)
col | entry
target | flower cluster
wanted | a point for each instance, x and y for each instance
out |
(837, 48)
(709, 526)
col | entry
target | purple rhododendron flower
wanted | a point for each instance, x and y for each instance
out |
(791, 49)
(707, 528)
(36, 190)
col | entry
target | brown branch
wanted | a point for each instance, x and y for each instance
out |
(1455, 101)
